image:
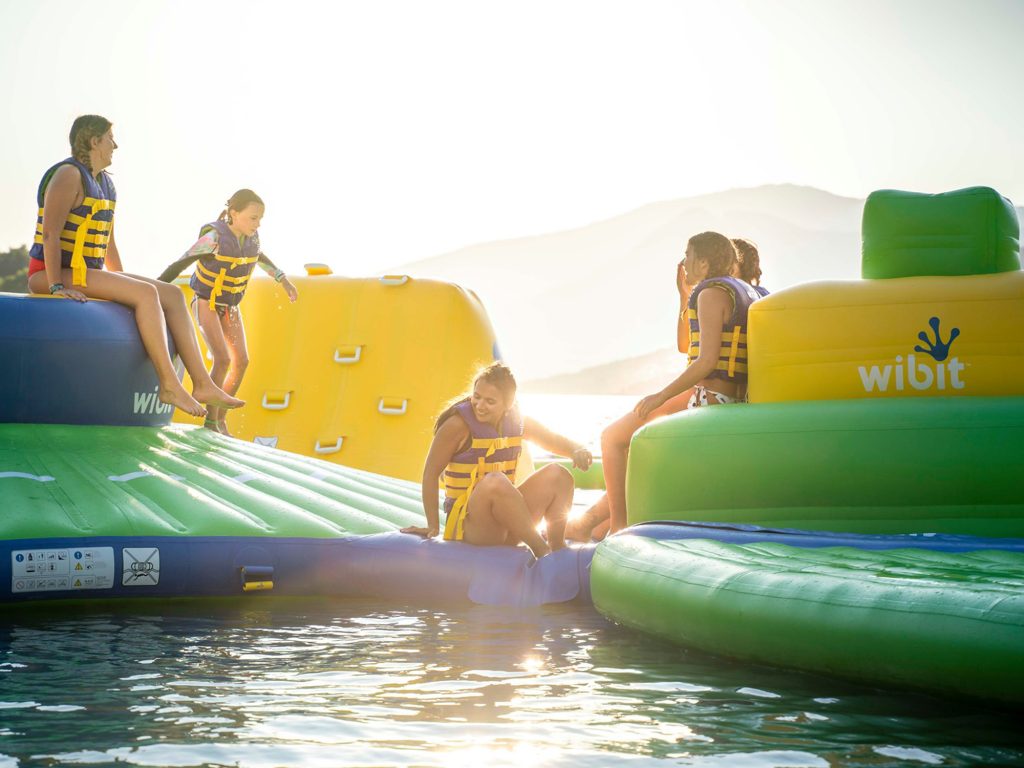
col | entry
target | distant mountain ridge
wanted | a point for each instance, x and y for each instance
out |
(576, 300)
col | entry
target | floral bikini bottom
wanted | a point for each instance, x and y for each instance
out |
(704, 396)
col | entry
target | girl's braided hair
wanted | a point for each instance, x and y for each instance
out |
(83, 131)
(717, 250)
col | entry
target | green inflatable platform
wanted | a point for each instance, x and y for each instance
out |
(72, 481)
(938, 621)
(942, 465)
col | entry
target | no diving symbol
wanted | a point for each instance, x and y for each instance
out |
(140, 567)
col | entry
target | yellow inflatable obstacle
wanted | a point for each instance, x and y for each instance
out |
(939, 314)
(356, 371)
(901, 337)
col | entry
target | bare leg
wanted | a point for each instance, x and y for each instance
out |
(614, 454)
(548, 495)
(209, 325)
(498, 514)
(582, 528)
(234, 335)
(143, 298)
(180, 324)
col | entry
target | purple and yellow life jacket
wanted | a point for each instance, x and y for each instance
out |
(732, 356)
(221, 277)
(83, 241)
(489, 450)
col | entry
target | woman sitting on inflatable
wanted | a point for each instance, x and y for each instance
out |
(746, 266)
(74, 240)
(477, 442)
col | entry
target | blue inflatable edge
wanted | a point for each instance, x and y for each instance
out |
(386, 565)
(737, 533)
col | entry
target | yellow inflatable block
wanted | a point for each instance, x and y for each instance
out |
(905, 337)
(356, 371)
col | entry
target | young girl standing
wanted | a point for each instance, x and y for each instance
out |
(226, 253)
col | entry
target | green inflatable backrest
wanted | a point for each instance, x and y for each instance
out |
(971, 231)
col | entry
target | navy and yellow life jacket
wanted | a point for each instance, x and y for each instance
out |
(221, 277)
(489, 450)
(732, 357)
(83, 241)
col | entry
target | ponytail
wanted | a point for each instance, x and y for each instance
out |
(239, 201)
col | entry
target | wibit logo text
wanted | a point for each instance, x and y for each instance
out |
(149, 402)
(922, 373)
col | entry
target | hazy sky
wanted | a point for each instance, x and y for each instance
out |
(383, 132)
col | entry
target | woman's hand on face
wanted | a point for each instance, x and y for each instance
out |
(644, 408)
(426, 533)
(290, 289)
(582, 458)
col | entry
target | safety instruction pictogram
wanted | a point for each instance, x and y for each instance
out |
(140, 566)
(46, 570)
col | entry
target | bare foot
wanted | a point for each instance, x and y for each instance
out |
(181, 399)
(214, 396)
(540, 550)
(222, 427)
(581, 527)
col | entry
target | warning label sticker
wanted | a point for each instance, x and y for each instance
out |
(140, 566)
(40, 570)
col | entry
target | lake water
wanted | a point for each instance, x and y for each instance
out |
(271, 682)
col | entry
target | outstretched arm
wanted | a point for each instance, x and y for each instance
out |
(559, 445)
(449, 438)
(271, 269)
(205, 245)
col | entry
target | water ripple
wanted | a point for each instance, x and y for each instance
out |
(353, 683)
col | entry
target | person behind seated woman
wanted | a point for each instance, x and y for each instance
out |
(227, 251)
(73, 243)
(748, 265)
(739, 259)
(477, 443)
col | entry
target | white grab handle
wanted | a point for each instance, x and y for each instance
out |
(388, 411)
(395, 279)
(348, 359)
(277, 406)
(322, 449)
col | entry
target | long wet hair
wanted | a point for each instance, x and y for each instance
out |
(717, 250)
(83, 131)
(497, 375)
(239, 201)
(749, 260)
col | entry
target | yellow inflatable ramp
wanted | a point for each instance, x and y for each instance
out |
(356, 371)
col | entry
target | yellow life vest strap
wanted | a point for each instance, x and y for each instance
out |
(454, 524)
(236, 261)
(734, 346)
(497, 466)
(78, 267)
